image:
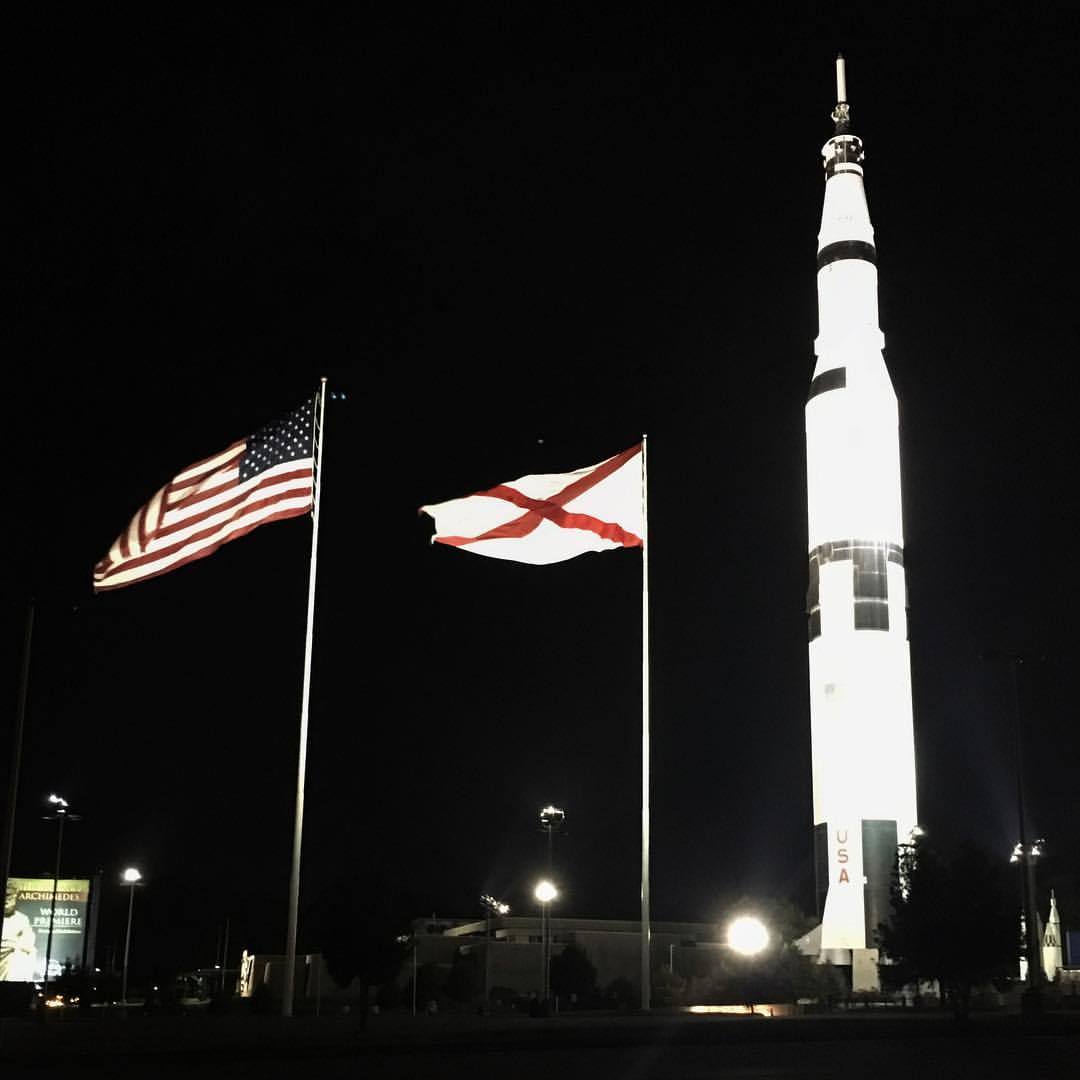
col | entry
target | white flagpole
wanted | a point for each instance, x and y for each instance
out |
(646, 929)
(298, 822)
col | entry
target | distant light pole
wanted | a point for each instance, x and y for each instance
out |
(1027, 855)
(1032, 1000)
(225, 956)
(131, 878)
(410, 939)
(545, 892)
(551, 820)
(60, 815)
(491, 907)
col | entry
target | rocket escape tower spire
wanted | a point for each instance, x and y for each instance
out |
(859, 664)
(841, 115)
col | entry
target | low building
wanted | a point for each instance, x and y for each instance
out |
(515, 956)
(311, 982)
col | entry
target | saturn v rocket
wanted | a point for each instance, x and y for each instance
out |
(860, 670)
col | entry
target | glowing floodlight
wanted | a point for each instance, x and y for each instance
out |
(747, 935)
(131, 875)
(545, 892)
(493, 906)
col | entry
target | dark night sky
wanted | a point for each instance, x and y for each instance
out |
(517, 243)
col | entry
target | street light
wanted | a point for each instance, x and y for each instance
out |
(551, 820)
(747, 935)
(545, 892)
(491, 907)
(131, 877)
(1027, 856)
(1034, 851)
(1032, 998)
(60, 815)
(410, 939)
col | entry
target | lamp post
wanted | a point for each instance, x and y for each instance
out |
(551, 819)
(225, 956)
(1024, 853)
(60, 815)
(545, 892)
(491, 907)
(131, 878)
(748, 937)
(410, 940)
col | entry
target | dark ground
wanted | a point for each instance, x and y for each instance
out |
(667, 1046)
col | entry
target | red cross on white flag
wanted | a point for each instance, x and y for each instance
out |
(551, 517)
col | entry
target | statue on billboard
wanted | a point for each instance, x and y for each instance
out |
(18, 953)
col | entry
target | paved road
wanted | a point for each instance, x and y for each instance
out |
(623, 1048)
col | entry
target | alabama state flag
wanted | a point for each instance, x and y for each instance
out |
(551, 517)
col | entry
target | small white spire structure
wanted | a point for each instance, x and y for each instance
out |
(1051, 941)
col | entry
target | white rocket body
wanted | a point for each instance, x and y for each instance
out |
(860, 672)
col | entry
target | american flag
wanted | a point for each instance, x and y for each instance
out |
(266, 477)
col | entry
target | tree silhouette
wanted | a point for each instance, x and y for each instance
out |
(573, 973)
(954, 920)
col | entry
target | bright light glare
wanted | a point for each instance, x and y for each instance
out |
(131, 875)
(545, 892)
(496, 907)
(731, 1010)
(747, 935)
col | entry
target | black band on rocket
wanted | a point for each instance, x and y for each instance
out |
(870, 585)
(846, 249)
(839, 550)
(835, 379)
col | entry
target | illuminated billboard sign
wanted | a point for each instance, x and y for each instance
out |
(28, 904)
